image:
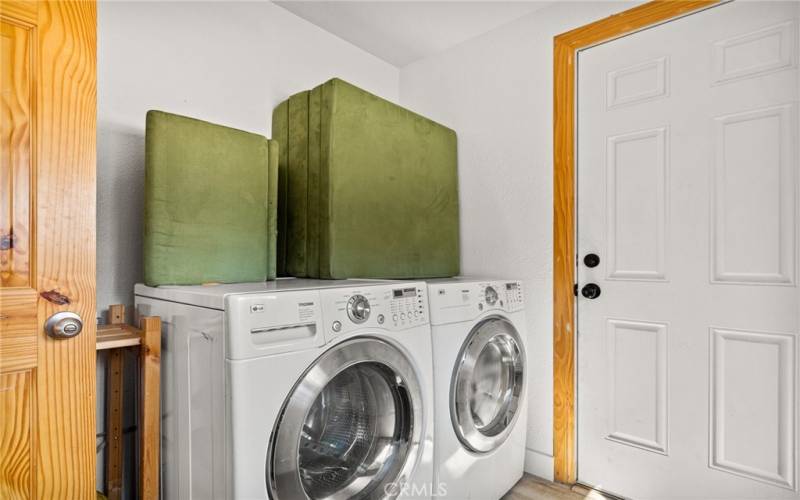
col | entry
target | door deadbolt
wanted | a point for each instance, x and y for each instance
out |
(63, 325)
(591, 260)
(590, 291)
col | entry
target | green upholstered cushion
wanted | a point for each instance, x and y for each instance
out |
(376, 191)
(272, 208)
(299, 177)
(297, 185)
(389, 192)
(210, 211)
(314, 182)
(280, 133)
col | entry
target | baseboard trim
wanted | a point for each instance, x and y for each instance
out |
(539, 464)
(589, 492)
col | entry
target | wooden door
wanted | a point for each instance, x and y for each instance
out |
(47, 248)
(688, 195)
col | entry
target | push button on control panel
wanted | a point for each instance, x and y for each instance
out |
(407, 306)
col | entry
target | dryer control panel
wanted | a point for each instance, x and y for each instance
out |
(463, 301)
(388, 307)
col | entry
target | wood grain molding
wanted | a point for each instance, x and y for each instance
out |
(47, 247)
(565, 48)
(65, 236)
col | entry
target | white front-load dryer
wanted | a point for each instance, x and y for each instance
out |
(295, 390)
(479, 356)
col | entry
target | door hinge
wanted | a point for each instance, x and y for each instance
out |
(575, 289)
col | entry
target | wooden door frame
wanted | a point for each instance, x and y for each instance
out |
(565, 49)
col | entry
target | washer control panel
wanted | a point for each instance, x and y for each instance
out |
(465, 300)
(505, 295)
(386, 306)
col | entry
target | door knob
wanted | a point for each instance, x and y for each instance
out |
(591, 260)
(63, 325)
(590, 291)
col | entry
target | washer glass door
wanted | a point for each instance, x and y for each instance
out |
(487, 383)
(351, 427)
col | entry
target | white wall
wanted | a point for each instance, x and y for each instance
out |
(496, 91)
(225, 62)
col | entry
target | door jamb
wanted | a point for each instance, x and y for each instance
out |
(565, 48)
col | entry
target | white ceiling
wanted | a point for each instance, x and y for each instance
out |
(400, 32)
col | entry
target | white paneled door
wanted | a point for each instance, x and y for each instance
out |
(688, 302)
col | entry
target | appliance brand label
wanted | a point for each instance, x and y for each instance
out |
(306, 311)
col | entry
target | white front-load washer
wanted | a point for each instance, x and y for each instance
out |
(479, 355)
(295, 390)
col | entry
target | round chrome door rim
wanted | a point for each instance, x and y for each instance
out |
(470, 435)
(283, 472)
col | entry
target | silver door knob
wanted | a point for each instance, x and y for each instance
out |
(63, 325)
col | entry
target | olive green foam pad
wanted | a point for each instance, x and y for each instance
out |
(298, 220)
(371, 190)
(280, 132)
(211, 196)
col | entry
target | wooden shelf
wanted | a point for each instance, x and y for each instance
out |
(115, 336)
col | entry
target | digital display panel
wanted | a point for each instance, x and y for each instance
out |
(404, 292)
(511, 286)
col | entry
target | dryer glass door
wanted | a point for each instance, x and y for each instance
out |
(487, 383)
(350, 429)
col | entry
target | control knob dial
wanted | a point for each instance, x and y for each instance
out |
(491, 295)
(358, 309)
